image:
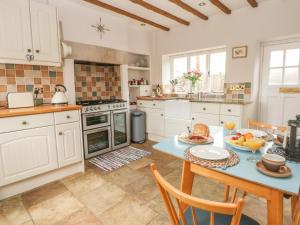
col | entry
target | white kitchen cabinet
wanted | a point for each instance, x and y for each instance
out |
(68, 143)
(176, 126)
(206, 118)
(15, 35)
(29, 33)
(27, 153)
(155, 121)
(235, 119)
(45, 37)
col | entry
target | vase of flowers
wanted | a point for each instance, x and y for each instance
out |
(193, 76)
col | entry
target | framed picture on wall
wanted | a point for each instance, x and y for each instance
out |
(239, 52)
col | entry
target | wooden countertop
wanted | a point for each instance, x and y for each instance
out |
(204, 100)
(4, 112)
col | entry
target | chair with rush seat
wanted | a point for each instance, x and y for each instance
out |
(197, 211)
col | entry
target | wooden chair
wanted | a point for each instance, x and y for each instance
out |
(196, 211)
(296, 211)
(272, 129)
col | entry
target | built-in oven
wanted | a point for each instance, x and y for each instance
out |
(97, 141)
(95, 120)
(120, 128)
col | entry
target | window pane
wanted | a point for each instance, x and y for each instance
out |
(217, 63)
(275, 77)
(276, 59)
(292, 57)
(179, 66)
(198, 62)
(291, 76)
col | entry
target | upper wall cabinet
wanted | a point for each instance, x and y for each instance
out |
(29, 33)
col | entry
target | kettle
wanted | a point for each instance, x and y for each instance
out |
(59, 96)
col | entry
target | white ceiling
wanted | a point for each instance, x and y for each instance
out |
(209, 9)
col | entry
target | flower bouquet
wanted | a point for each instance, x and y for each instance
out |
(193, 76)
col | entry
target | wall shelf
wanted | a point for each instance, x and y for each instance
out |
(138, 68)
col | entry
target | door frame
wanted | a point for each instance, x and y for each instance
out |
(263, 44)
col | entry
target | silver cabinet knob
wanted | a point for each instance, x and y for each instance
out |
(229, 110)
(24, 123)
(162, 114)
(37, 51)
(204, 109)
(28, 50)
(68, 116)
(222, 122)
(60, 133)
(193, 118)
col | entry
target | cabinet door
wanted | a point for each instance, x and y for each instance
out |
(155, 121)
(45, 37)
(235, 119)
(176, 126)
(69, 145)
(27, 153)
(206, 118)
(15, 35)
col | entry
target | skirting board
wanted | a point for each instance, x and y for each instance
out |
(156, 138)
(39, 180)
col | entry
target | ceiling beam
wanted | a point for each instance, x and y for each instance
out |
(190, 9)
(160, 11)
(125, 13)
(221, 6)
(253, 3)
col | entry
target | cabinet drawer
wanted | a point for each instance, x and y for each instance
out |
(25, 122)
(151, 104)
(143, 103)
(212, 108)
(231, 110)
(205, 118)
(66, 117)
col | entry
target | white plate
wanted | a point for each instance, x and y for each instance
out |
(256, 133)
(209, 152)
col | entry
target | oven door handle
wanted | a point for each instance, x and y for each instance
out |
(95, 114)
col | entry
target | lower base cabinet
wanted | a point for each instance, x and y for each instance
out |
(205, 118)
(176, 126)
(234, 119)
(27, 153)
(155, 121)
(68, 139)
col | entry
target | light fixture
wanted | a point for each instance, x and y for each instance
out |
(202, 4)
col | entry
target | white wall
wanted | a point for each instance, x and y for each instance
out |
(77, 17)
(246, 26)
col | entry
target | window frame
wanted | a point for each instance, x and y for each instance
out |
(198, 53)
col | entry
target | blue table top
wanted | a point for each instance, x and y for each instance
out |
(245, 169)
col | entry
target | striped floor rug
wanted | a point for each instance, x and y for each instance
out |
(118, 158)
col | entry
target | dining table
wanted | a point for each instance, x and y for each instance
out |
(243, 176)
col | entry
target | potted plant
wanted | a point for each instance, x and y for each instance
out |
(193, 76)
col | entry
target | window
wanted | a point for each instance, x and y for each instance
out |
(284, 67)
(210, 63)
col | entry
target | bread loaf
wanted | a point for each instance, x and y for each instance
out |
(201, 130)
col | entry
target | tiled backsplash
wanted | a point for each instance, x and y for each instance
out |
(243, 94)
(97, 81)
(24, 78)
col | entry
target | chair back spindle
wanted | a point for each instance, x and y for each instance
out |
(193, 203)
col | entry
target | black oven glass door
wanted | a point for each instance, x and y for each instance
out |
(96, 120)
(120, 128)
(97, 141)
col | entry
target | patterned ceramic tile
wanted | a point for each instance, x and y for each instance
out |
(24, 78)
(97, 82)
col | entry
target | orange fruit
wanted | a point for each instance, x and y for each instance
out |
(248, 136)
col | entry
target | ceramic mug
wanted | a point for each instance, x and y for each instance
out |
(274, 163)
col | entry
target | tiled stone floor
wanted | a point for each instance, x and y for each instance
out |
(127, 196)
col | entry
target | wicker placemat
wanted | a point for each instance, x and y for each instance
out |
(231, 161)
